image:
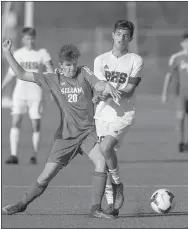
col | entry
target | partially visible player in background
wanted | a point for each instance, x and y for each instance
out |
(113, 118)
(178, 66)
(27, 96)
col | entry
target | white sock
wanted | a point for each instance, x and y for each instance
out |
(115, 175)
(14, 139)
(36, 140)
(109, 194)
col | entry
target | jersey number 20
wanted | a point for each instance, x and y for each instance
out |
(72, 98)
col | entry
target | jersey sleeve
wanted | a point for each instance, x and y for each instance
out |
(43, 80)
(45, 56)
(98, 69)
(136, 74)
(90, 77)
(172, 64)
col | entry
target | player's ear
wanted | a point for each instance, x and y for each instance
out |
(130, 39)
(113, 35)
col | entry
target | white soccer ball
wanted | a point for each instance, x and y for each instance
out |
(162, 201)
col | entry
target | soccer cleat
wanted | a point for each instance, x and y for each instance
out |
(12, 160)
(181, 147)
(111, 211)
(118, 195)
(13, 209)
(33, 161)
(101, 215)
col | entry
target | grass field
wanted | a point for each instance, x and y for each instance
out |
(148, 160)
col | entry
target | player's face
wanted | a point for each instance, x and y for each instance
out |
(28, 41)
(121, 38)
(69, 68)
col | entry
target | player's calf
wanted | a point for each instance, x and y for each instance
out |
(181, 129)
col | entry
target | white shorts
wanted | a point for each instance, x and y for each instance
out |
(117, 129)
(33, 107)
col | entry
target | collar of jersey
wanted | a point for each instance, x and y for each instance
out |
(120, 56)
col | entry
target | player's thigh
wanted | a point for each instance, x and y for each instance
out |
(101, 128)
(63, 151)
(89, 142)
(50, 171)
(113, 133)
(19, 107)
(35, 109)
(17, 120)
(91, 148)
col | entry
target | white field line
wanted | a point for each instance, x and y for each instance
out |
(89, 186)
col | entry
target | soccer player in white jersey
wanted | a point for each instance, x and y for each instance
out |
(178, 66)
(27, 96)
(113, 118)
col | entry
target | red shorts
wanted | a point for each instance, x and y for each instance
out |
(64, 150)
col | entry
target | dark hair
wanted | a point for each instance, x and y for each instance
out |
(69, 53)
(125, 24)
(29, 31)
(185, 35)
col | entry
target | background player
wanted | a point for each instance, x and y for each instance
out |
(27, 95)
(72, 88)
(114, 118)
(178, 66)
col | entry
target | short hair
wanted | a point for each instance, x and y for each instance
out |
(185, 35)
(125, 24)
(68, 53)
(29, 31)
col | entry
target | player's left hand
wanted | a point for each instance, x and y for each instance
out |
(112, 91)
(6, 45)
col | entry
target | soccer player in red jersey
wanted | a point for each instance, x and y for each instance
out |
(72, 89)
(178, 66)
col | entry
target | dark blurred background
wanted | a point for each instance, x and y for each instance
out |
(89, 25)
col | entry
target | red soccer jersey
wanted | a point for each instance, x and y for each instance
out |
(179, 63)
(74, 99)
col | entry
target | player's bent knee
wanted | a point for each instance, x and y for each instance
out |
(16, 122)
(107, 146)
(106, 151)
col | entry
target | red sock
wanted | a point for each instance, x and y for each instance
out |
(98, 186)
(33, 192)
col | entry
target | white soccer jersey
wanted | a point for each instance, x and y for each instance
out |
(31, 61)
(118, 71)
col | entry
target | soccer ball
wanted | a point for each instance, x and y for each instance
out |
(162, 201)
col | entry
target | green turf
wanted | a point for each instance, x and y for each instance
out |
(148, 160)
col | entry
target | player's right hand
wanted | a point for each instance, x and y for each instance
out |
(112, 91)
(6, 45)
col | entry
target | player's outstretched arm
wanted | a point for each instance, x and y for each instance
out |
(17, 69)
(168, 79)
